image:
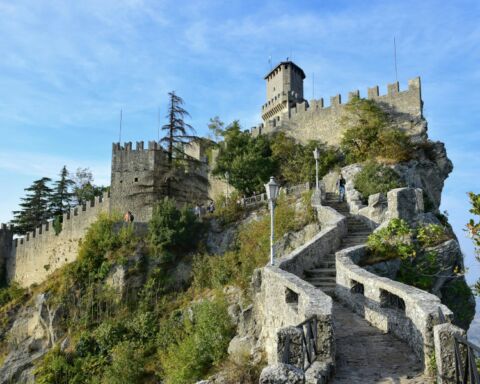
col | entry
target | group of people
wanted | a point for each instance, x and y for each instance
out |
(201, 210)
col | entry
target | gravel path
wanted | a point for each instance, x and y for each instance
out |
(367, 355)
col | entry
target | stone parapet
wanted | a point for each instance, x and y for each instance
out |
(407, 312)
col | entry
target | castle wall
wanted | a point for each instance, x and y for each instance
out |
(315, 121)
(6, 236)
(35, 256)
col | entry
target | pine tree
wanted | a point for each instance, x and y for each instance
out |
(62, 196)
(35, 207)
(177, 131)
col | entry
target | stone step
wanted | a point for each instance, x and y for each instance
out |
(321, 271)
(326, 264)
(321, 280)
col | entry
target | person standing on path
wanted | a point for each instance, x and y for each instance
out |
(341, 187)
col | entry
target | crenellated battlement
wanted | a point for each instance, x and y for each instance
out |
(314, 120)
(139, 147)
(30, 258)
(75, 216)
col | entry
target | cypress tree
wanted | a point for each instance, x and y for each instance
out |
(35, 207)
(62, 196)
(178, 133)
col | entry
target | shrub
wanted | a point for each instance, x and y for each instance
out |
(367, 134)
(170, 229)
(375, 178)
(227, 210)
(421, 271)
(127, 365)
(101, 241)
(11, 293)
(252, 247)
(432, 234)
(203, 346)
(391, 242)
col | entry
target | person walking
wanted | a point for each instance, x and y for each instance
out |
(128, 217)
(341, 187)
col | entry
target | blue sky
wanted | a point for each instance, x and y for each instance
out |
(67, 68)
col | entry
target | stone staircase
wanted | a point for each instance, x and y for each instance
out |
(323, 276)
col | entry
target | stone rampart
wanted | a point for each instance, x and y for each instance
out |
(407, 312)
(314, 120)
(284, 299)
(33, 257)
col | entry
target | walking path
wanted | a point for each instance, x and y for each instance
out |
(365, 354)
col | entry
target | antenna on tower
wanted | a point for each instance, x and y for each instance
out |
(313, 86)
(270, 61)
(395, 57)
(120, 132)
(158, 123)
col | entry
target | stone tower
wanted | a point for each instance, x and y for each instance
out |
(137, 179)
(141, 177)
(284, 90)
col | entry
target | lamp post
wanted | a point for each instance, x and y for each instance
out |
(316, 155)
(272, 189)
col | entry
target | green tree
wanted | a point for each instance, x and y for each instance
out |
(248, 160)
(83, 188)
(177, 131)
(61, 199)
(376, 178)
(35, 207)
(367, 134)
(295, 161)
(216, 127)
(171, 229)
(473, 228)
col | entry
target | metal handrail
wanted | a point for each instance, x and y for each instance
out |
(309, 343)
(466, 370)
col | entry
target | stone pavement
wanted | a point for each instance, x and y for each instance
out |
(367, 355)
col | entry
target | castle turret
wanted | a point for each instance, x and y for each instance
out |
(284, 90)
(6, 239)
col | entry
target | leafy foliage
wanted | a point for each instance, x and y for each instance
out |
(473, 228)
(171, 229)
(227, 210)
(84, 189)
(11, 293)
(202, 345)
(376, 178)
(102, 244)
(295, 161)
(252, 248)
(368, 136)
(398, 240)
(245, 158)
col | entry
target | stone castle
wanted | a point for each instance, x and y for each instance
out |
(139, 175)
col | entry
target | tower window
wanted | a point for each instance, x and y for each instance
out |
(136, 179)
(121, 181)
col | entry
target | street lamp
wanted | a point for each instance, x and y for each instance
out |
(316, 155)
(272, 189)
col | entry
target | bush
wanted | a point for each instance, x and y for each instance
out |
(11, 293)
(375, 178)
(171, 230)
(391, 242)
(101, 245)
(203, 346)
(227, 210)
(127, 365)
(252, 247)
(368, 136)
(431, 235)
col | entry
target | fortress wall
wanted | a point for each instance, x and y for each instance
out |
(6, 236)
(315, 121)
(41, 252)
